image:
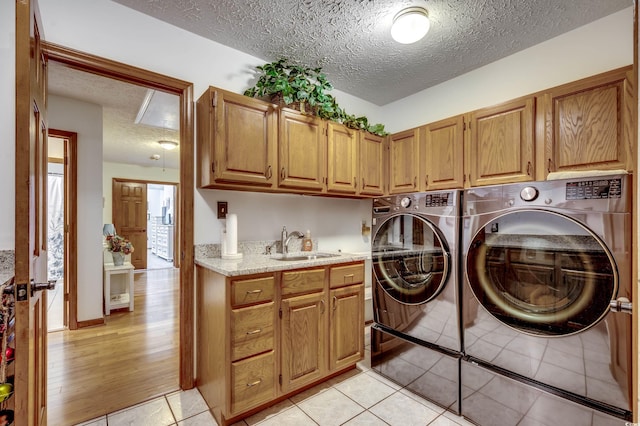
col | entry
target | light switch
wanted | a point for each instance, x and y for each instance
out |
(222, 209)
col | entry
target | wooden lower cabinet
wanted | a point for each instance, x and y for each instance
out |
(264, 337)
(345, 326)
(303, 328)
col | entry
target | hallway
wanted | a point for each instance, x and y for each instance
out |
(132, 358)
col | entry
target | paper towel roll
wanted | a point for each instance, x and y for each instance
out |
(232, 233)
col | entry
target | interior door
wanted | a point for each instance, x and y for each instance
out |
(30, 366)
(130, 217)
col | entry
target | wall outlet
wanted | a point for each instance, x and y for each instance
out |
(222, 209)
(494, 227)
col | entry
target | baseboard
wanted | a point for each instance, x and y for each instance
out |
(91, 323)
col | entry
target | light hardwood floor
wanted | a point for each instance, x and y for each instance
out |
(134, 357)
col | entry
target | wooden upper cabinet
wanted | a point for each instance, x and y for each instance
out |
(588, 124)
(236, 140)
(371, 164)
(441, 154)
(403, 161)
(302, 151)
(501, 143)
(342, 159)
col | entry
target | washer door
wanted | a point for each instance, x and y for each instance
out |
(541, 272)
(411, 259)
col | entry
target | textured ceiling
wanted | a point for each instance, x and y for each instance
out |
(350, 39)
(123, 140)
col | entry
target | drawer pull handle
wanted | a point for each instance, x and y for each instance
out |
(254, 291)
(349, 277)
(335, 303)
(257, 382)
(256, 331)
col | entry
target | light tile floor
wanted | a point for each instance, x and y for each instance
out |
(358, 397)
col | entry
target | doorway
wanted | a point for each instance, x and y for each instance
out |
(184, 90)
(61, 229)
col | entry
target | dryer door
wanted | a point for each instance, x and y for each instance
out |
(541, 272)
(411, 259)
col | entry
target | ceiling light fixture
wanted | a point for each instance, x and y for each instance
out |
(168, 145)
(410, 25)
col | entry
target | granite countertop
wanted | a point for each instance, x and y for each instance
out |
(581, 243)
(5, 276)
(260, 263)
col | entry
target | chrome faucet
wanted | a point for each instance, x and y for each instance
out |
(286, 238)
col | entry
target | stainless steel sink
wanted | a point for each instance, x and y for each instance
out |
(313, 256)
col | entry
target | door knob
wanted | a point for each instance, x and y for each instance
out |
(49, 285)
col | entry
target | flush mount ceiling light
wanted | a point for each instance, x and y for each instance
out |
(410, 25)
(168, 145)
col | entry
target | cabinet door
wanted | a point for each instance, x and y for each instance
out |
(342, 159)
(501, 143)
(371, 164)
(236, 139)
(403, 161)
(588, 124)
(346, 328)
(441, 154)
(302, 155)
(303, 340)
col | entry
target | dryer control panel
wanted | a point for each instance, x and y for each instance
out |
(594, 189)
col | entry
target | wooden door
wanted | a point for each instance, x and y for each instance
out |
(302, 155)
(30, 366)
(346, 326)
(501, 143)
(129, 217)
(342, 159)
(403, 161)
(303, 340)
(371, 164)
(441, 155)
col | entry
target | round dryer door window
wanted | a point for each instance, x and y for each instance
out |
(411, 259)
(541, 272)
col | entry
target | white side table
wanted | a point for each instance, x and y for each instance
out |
(118, 300)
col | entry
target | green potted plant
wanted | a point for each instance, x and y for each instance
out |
(304, 89)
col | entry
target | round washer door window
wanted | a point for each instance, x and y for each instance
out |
(411, 259)
(541, 272)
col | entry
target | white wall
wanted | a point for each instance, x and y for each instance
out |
(130, 171)
(86, 120)
(601, 46)
(7, 125)
(335, 222)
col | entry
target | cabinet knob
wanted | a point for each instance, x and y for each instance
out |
(282, 175)
(335, 303)
(269, 172)
(528, 168)
(549, 164)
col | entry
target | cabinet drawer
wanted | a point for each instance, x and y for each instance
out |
(346, 275)
(252, 382)
(251, 330)
(304, 281)
(247, 292)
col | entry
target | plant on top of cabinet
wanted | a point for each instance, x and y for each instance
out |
(297, 86)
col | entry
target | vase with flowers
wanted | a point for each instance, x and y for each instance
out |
(119, 248)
